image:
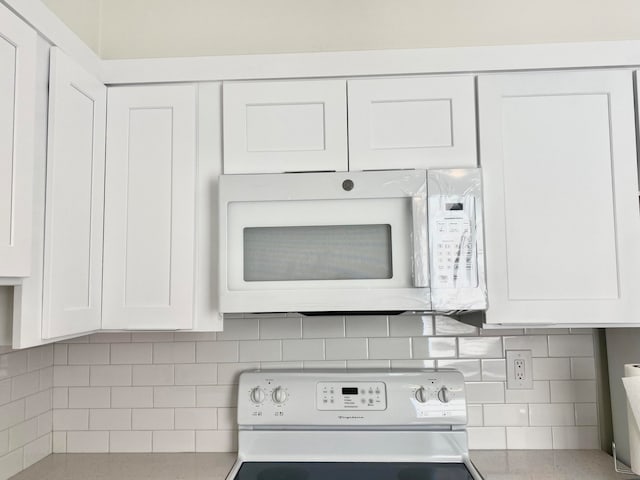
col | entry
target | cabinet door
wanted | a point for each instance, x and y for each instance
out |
(74, 200)
(149, 208)
(424, 122)
(285, 126)
(561, 196)
(17, 117)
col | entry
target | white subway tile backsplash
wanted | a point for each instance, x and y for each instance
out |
(583, 368)
(153, 374)
(59, 442)
(87, 442)
(439, 347)
(529, 438)
(551, 414)
(88, 354)
(37, 450)
(152, 418)
(323, 327)
(13, 364)
(131, 353)
(485, 392)
(307, 349)
(23, 433)
(216, 441)
(12, 414)
(5, 391)
(152, 337)
(494, 370)
(260, 350)
(480, 347)
(487, 438)
(410, 325)
(174, 396)
(536, 343)
(110, 375)
(575, 438)
(345, 348)
(60, 353)
(24, 385)
(89, 397)
(216, 396)
(240, 329)
(227, 418)
(70, 376)
(282, 365)
(196, 419)
(583, 391)
(46, 378)
(469, 368)
(60, 397)
(110, 337)
(538, 394)
(11, 463)
(131, 397)
(38, 358)
(214, 352)
(176, 352)
(71, 419)
(110, 419)
(280, 328)
(194, 336)
(45, 423)
(474, 416)
(174, 441)
(551, 369)
(228, 373)
(366, 326)
(389, 348)
(571, 345)
(4, 442)
(38, 403)
(450, 326)
(511, 415)
(586, 414)
(196, 374)
(130, 441)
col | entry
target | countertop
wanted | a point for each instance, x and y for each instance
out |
(493, 464)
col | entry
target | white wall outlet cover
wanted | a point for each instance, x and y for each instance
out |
(519, 370)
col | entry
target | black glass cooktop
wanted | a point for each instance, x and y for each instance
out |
(352, 471)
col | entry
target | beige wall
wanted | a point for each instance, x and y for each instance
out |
(156, 28)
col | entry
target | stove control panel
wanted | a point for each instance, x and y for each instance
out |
(351, 398)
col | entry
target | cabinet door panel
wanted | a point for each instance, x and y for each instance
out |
(560, 184)
(286, 126)
(150, 208)
(17, 117)
(412, 123)
(74, 199)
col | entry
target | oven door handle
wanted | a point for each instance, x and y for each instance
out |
(420, 243)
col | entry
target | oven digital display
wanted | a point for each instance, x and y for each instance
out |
(349, 390)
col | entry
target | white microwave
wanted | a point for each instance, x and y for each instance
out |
(375, 241)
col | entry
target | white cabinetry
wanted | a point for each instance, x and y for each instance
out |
(285, 126)
(419, 122)
(18, 57)
(148, 280)
(74, 200)
(558, 155)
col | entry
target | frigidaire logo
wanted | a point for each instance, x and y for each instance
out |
(350, 417)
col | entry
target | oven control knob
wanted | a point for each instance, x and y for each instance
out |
(422, 395)
(443, 395)
(279, 395)
(257, 395)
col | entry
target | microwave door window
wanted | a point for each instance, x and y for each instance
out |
(323, 252)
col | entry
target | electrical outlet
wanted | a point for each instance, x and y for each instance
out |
(519, 370)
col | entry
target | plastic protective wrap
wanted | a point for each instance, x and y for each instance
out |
(456, 245)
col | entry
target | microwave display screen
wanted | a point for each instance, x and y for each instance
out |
(317, 252)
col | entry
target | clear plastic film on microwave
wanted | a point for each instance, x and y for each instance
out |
(456, 245)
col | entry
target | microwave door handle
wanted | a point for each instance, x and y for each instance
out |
(420, 244)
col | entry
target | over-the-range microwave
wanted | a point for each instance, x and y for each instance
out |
(373, 241)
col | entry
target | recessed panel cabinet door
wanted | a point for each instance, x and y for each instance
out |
(421, 122)
(560, 179)
(17, 117)
(150, 208)
(74, 200)
(285, 126)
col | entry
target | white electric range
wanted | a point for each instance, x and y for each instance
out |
(352, 425)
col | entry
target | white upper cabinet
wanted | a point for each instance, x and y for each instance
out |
(74, 200)
(421, 122)
(558, 153)
(17, 118)
(285, 126)
(148, 280)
